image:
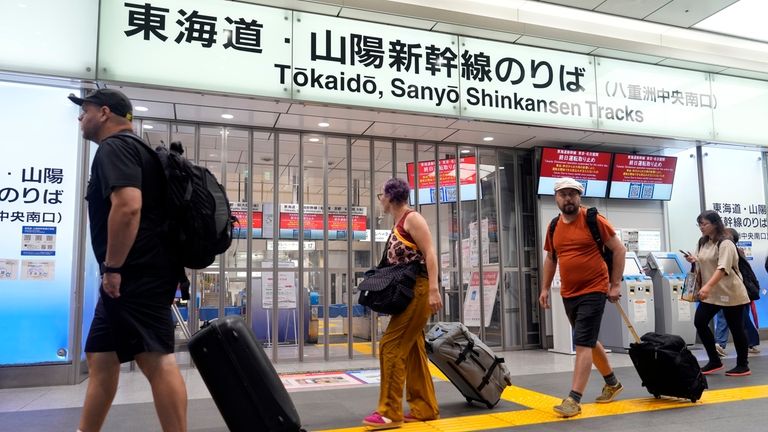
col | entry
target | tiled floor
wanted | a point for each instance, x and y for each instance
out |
(57, 408)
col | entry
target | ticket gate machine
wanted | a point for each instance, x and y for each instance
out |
(673, 316)
(637, 301)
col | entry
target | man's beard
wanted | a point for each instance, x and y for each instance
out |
(569, 209)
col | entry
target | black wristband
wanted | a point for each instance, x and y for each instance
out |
(104, 268)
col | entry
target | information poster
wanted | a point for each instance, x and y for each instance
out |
(472, 298)
(590, 168)
(38, 200)
(642, 176)
(286, 287)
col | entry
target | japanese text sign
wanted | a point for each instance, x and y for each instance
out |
(589, 168)
(195, 44)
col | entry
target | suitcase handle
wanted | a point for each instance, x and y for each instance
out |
(626, 321)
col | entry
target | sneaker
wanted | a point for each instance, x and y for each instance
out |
(609, 393)
(409, 418)
(376, 421)
(568, 408)
(711, 368)
(739, 371)
(720, 350)
(754, 350)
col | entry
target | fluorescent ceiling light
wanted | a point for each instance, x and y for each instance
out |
(465, 151)
(227, 116)
(488, 138)
(323, 124)
(745, 19)
(146, 126)
(314, 139)
(141, 108)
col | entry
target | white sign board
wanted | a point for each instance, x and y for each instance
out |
(742, 110)
(286, 287)
(648, 99)
(195, 44)
(472, 299)
(49, 37)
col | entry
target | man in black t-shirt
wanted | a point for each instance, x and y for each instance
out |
(127, 212)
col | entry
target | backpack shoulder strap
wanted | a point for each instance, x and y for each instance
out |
(551, 234)
(593, 228)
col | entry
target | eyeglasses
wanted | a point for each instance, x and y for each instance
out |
(703, 224)
(379, 195)
(568, 193)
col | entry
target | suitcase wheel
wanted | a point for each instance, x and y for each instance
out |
(657, 396)
(489, 405)
(693, 400)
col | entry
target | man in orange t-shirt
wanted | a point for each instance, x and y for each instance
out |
(586, 285)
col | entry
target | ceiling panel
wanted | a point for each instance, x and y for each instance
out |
(476, 137)
(581, 4)
(310, 123)
(475, 32)
(554, 44)
(363, 114)
(629, 142)
(692, 65)
(624, 55)
(210, 114)
(685, 13)
(638, 9)
(154, 109)
(194, 98)
(386, 18)
(408, 131)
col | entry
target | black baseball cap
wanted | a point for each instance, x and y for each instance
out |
(115, 100)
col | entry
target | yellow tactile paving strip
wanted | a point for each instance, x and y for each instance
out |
(540, 409)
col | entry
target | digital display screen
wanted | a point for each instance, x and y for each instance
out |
(668, 265)
(590, 168)
(642, 177)
(632, 267)
(446, 170)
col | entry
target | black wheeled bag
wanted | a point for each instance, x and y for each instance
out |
(473, 368)
(241, 378)
(665, 365)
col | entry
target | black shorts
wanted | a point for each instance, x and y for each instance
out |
(585, 312)
(138, 321)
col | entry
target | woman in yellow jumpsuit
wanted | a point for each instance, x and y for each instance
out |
(402, 356)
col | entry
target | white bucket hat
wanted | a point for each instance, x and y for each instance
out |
(569, 183)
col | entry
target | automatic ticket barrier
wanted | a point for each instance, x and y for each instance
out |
(673, 316)
(638, 302)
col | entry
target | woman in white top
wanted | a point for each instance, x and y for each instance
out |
(722, 288)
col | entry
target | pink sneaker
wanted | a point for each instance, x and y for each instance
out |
(376, 421)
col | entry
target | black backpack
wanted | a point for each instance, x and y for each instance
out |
(605, 252)
(200, 218)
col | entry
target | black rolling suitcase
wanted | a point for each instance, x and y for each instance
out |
(472, 367)
(665, 365)
(241, 378)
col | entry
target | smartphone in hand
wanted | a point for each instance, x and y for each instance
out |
(686, 254)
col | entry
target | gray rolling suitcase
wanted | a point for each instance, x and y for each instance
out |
(471, 366)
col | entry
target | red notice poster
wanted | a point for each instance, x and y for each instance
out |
(589, 167)
(642, 176)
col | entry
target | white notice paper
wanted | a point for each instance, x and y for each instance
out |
(641, 311)
(683, 311)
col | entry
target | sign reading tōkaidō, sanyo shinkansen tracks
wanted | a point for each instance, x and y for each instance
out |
(241, 48)
(195, 44)
(350, 62)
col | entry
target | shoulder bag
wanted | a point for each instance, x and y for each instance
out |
(691, 286)
(388, 289)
